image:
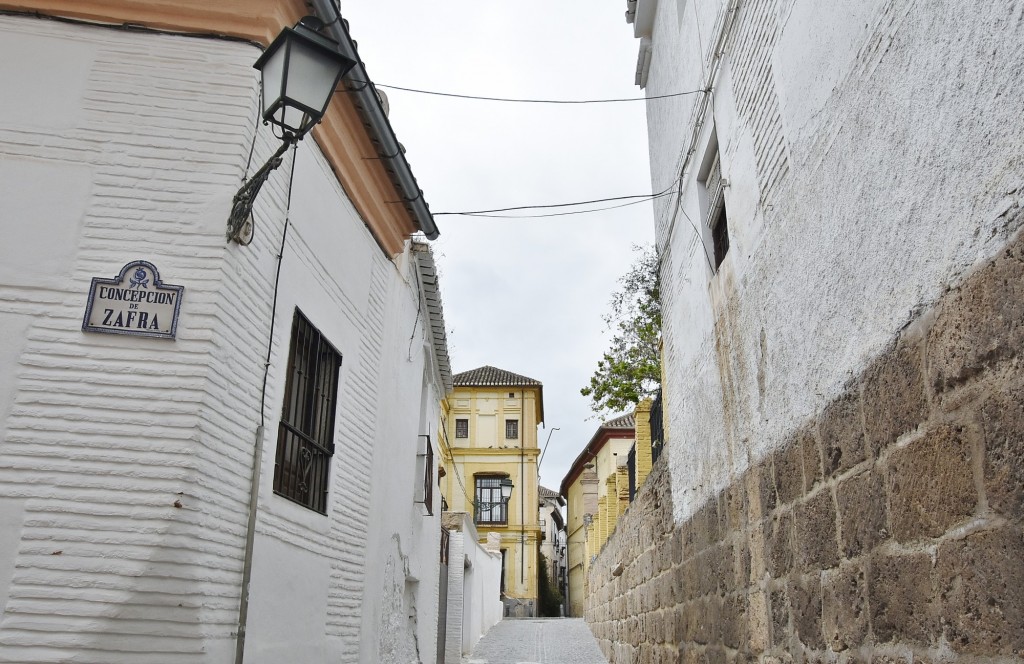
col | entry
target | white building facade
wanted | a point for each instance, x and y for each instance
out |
(126, 462)
(843, 135)
(840, 245)
(473, 603)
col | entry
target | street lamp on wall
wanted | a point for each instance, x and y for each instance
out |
(300, 71)
(505, 486)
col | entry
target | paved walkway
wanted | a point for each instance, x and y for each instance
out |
(538, 641)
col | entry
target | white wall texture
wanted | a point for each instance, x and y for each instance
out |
(474, 583)
(872, 151)
(133, 149)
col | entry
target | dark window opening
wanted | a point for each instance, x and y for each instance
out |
(713, 210)
(462, 428)
(305, 441)
(720, 234)
(503, 554)
(425, 458)
(511, 429)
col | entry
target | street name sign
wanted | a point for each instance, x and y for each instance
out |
(134, 302)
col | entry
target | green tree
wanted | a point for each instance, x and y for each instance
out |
(631, 368)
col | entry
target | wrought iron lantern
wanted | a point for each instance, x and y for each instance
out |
(506, 489)
(300, 71)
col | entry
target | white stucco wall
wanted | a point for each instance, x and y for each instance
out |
(474, 583)
(872, 151)
(125, 461)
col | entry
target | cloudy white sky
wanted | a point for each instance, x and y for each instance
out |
(523, 295)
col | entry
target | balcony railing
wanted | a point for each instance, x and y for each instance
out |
(445, 539)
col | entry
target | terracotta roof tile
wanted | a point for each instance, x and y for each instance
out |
(488, 376)
(627, 421)
(547, 493)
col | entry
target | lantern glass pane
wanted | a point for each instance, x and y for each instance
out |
(312, 75)
(273, 72)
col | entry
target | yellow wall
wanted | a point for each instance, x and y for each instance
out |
(576, 548)
(488, 451)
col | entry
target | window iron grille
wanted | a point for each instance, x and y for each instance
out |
(462, 428)
(425, 465)
(631, 465)
(657, 428)
(305, 441)
(445, 540)
(490, 508)
(511, 429)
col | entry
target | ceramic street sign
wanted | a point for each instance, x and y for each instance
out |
(135, 302)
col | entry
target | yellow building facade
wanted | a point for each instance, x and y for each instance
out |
(489, 434)
(596, 490)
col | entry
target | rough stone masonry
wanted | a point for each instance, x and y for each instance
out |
(888, 530)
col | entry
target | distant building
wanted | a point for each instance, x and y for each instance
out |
(490, 435)
(552, 543)
(596, 490)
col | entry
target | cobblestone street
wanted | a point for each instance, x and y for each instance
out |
(538, 641)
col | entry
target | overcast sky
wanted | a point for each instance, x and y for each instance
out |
(523, 295)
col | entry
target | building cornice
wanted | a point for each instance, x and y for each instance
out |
(511, 452)
(350, 136)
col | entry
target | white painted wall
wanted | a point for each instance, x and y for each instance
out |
(474, 584)
(133, 149)
(872, 152)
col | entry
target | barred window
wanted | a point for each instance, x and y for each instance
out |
(511, 429)
(305, 440)
(715, 216)
(462, 428)
(425, 463)
(489, 507)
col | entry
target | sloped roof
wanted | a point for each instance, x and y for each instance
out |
(488, 376)
(618, 427)
(627, 421)
(547, 493)
(427, 269)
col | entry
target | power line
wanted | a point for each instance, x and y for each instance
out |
(523, 101)
(560, 214)
(558, 205)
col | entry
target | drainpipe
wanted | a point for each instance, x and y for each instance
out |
(522, 494)
(250, 536)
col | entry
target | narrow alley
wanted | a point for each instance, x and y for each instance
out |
(538, 641)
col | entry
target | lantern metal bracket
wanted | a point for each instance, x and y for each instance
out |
(239, 221)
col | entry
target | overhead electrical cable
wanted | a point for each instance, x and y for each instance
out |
(513, 100)
(549, 206)
(561, 214)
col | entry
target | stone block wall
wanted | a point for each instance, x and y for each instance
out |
(888, 529)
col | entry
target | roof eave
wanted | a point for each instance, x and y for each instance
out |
(368, 105)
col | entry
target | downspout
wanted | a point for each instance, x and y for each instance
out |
(522, 494)
(250, 537)
(381, 133)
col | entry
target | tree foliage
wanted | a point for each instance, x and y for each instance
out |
(630, 369)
